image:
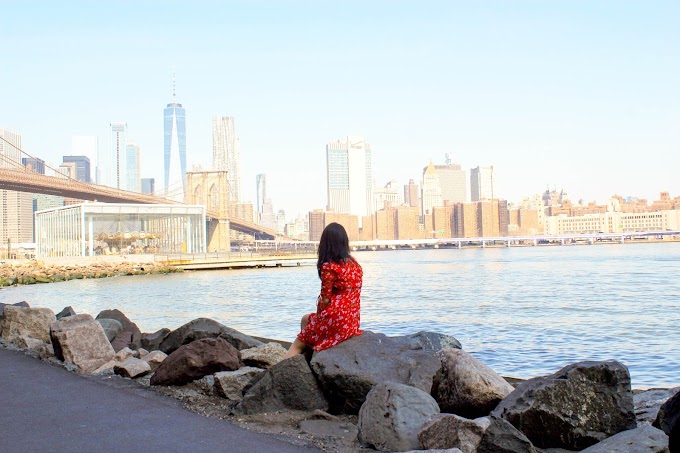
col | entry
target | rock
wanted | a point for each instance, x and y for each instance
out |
(668, 420)
(141, 352)
(26, 342)
(23, 304)
(648, 402)
(329, 428)
(107, 368)
(263, 356)
(195, 360)
(452, 431)
(448, 450)
(205, 328)
(124, 354)
(348, 371)
(433, 341)
(392, 416)
(645, 439)
(67, 311)
(502, 437)
(123, 340)
(131, 368)
(467, 387)
(81, 340)
(205, 385)
(111, 327)
(128, 326)
(152, 341)
(230, 384)
(290, 384)
(574, 408)
(23, 321)
(154, 359)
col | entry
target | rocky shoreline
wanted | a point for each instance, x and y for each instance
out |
(419, 392)
(29, 272)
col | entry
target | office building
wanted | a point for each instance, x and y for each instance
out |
(32, 163)
(261, 190)
(316, 224)
(432, 191)
(387, 196)
(226, 154)
(133, 170)
(111, 162)
(87, 145)
(349, 177)
(148, 185)
(453, 182)
(481, 183)
(412, 194)
(174, 149)
(16, 224)
(82, 167)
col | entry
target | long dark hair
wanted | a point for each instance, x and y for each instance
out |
(333, 245)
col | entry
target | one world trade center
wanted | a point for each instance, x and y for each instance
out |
(175, 149)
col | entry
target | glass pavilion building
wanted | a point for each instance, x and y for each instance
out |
(110, 229)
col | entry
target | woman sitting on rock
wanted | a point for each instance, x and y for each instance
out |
(337, 307)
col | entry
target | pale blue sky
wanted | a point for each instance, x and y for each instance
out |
(582, 95)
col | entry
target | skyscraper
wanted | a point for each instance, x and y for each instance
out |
(133, 179)
(87, 145)
(412, 194)
(175, 148)
(453, 182)
(16, 223)
(432, 191)
(481, 183)
(148, 185)
(226, 153)
(261, 187)
(349, 176)
(82, 166)
(111, 163)
(35, 164)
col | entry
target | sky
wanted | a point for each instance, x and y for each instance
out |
(580, 95)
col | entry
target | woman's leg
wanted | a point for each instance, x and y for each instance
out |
(298, 347)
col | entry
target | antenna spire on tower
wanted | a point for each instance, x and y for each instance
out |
(174, 100)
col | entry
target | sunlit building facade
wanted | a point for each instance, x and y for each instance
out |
(481, 183)
(349, 175)
(133, 178)
(16, 224)
(226, 154)
(174, 151)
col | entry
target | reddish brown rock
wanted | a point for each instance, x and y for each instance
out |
(195, 360)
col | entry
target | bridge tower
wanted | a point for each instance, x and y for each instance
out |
(211, 189)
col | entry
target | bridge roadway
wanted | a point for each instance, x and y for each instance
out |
(25, 180)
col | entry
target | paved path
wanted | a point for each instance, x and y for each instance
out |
(44, 408)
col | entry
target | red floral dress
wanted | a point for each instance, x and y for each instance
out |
(341, 284)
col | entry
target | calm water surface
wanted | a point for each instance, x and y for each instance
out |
(523, 311)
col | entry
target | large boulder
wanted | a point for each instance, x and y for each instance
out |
(29, 322)
(392, 416)
(452, 431)
(647, 403)
(466, 387)
(230, 384)
(112, 327)
(81, 340)
(206, 328)
(502, 437)
(289, 384)
(668, 419)
(645, 439)
(152, 341)
(128, 326)
(264, 356)
(348, 371)
(23, 303)
(195, 360)
(574, 408)
(132, 368)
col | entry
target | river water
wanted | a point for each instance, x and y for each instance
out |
(523, 311)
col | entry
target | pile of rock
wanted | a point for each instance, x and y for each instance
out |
(410, 392)
(32, 272)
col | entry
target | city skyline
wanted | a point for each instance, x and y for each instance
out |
(578, 95)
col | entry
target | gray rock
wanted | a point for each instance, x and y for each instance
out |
(348, 371)
(23, 304)
(111, 327)
(574, 408)
(433, 341)
(467, 387)
(648, 402)
(30, 322)
(67, 311)
(392, 416)
(205, 328)
(448, 450)
(264, 356)
(289, 384)
(645, 439)
(80, 340)
(152, 341)
(132, 368)
(128, 326)
(451, 431)
(195, 360)
(123, 340)
(205, 385)
(502, 437)
(668, 420)
(230, 384)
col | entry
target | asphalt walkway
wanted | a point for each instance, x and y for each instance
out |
(44, 408)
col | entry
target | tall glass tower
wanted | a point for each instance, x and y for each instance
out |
(350, 176)
(175, 149)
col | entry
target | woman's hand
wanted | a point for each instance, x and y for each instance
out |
(321, 304)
